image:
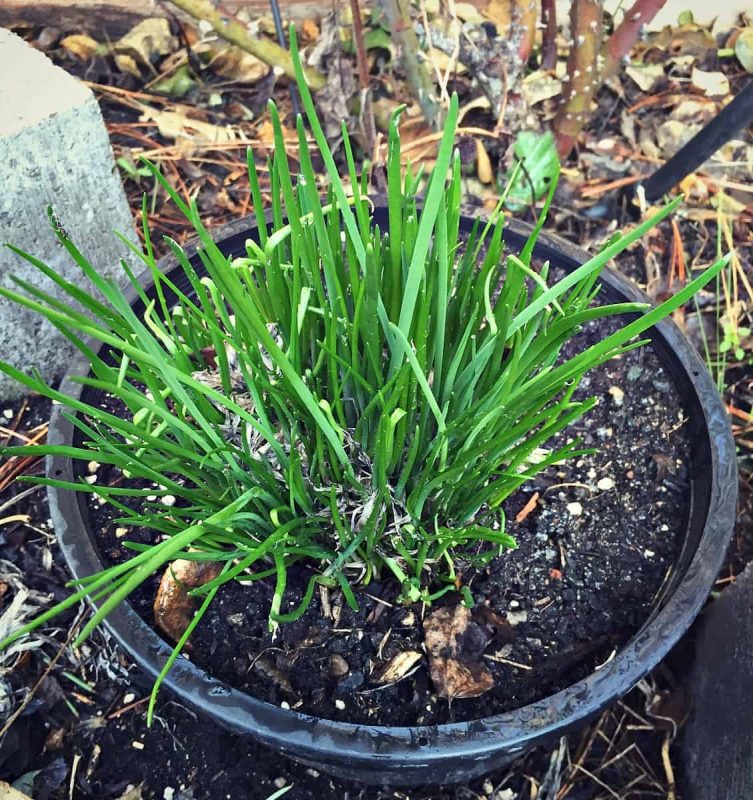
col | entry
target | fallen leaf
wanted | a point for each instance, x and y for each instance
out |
(540, 162)
(147, 41)
(540, 86)
(714, 84)
(454, 644)
(80, 45)
(467, 12)
(234, 63)
(173, 606)
(126, 63)
(483, 164)
(673, 134)
(442, 61)
(187, 132)
(728, 205)
(645, 76)
(744, 49)
(309, 30)
(399, 666)
(500, 13)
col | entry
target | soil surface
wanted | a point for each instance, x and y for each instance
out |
(591, 557)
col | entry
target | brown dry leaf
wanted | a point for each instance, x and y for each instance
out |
(443, 61)
(174, 607)
(454, 643)
(187, 132)
(80, 45)
(399, 666)
(645, 76)
(126, 63)
(540, 86)
(483, 164)
(713, 84)
(234, 63)
(673, 134)
(147, 40)
(744, 48)
(467, 12)
(309, 30)
(500, 13)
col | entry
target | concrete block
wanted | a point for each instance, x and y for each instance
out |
(54, 150)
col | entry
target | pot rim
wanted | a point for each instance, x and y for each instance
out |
(374, 747)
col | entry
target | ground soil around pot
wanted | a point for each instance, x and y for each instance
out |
(596, 540)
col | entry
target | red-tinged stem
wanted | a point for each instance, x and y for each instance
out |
(367, 110)
(583, 72)
(549, 42)
(626, 34)
(526, 18)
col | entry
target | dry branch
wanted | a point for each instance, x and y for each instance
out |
(233, 31)
(420, 82)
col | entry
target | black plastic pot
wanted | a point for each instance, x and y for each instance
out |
(460, 751)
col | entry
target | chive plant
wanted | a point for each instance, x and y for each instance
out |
(352, 399)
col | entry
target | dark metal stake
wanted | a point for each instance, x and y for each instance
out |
(736, 115)
(277, 16)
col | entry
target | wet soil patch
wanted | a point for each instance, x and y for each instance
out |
(594, 549)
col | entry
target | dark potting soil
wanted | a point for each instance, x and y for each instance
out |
(591, 557)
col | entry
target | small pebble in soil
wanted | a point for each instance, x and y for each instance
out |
(618, 396)
(649, 553)
(338, 666)
(634, 373)
(574, 509)
(90, 479)
(353, 682)
(236, 619)
(121, 532)
(168, 500)
(516, 617)
(408, 620)
(605, 484)
(93, 466)
(8, 413)
(128, 698)
(280, 782)
(340, 705)
(169, 793)
(137, 745)
(285, 705)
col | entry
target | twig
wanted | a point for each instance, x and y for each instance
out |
(625, 35)
(419, 80)
(47, 670)
(669, 772)
(367, 110)
(234, 32)
(549, 43)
